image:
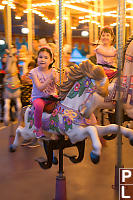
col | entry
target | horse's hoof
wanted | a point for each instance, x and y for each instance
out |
(94, 158)
(131, 142)
(11, 139)
(55, 161)
(12, 148)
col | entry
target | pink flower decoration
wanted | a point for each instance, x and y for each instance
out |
(31, 122)
(69, 121)
(52, 122)
(76, 87)
(54, 113)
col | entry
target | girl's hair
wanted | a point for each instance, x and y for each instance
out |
(32, 64)
(48, 50)
(107, 29)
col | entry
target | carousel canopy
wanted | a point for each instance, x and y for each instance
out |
(82, 11)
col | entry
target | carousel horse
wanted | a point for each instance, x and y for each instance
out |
(12, 90)
(126, 89)
(83, 81)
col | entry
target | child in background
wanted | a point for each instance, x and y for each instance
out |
(106, 52)
(4, 60)
(44, 79)
(92, 56)
(67, 50)
(27, 85)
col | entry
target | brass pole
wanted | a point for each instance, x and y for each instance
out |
(29, 23)
(60, 38)
(68, 27)
(56, 34)
(96, 19)
(121, 43)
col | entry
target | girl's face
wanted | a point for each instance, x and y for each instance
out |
(44, 60)
(106, 38)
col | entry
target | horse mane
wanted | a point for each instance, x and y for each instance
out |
(86, 68)
(125, 48)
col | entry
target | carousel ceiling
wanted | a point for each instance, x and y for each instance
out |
(81, 10)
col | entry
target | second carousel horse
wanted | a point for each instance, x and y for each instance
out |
(12, 90)
(126, 89)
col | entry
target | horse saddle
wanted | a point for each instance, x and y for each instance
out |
(51, 105)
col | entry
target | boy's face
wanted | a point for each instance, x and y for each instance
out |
(35, 44)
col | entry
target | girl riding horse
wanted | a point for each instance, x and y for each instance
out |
(83, 81)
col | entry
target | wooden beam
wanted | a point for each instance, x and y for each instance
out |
(8, 25)
(68, 27)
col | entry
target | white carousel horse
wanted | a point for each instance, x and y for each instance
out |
(83, 81)
(126, 88)
(12, 90)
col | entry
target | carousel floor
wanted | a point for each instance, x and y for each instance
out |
(22, 178)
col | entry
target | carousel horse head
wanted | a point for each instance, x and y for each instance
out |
(86, 69)
(90, 104)
(11, 77)
(11, 66)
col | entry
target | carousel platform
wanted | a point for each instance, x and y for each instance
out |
(22, 178)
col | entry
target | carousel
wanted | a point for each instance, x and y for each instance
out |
(84, 89)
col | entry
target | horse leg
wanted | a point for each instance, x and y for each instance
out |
(25, 133)
(113, 129)
(7, 111)
(130, 125)
(15, 144)
(19, 110)
(80, 133)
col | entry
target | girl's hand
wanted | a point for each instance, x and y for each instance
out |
(50, 75)
(53, 74)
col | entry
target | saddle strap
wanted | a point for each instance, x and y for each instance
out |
(129, 58)
(74, 115)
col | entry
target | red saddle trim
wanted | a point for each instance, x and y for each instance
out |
(128, 58)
